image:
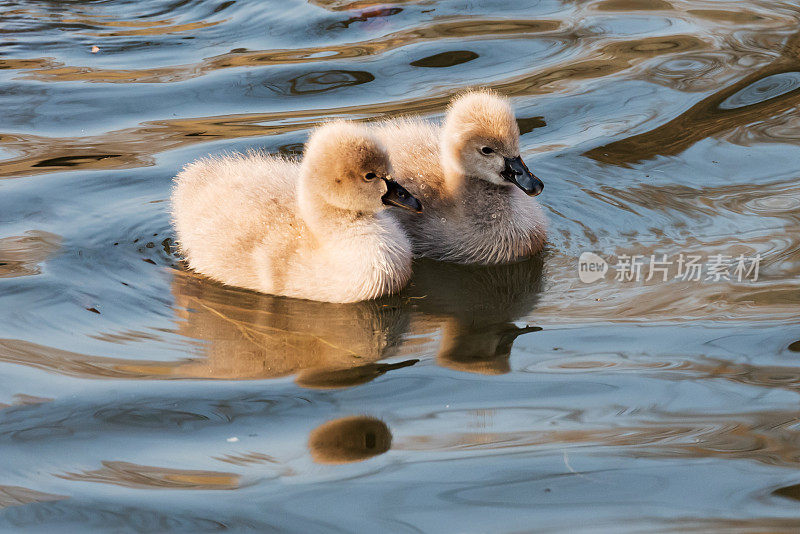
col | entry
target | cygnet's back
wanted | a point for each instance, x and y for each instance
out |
(222, 207)
(312, 230)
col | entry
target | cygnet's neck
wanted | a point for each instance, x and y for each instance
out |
(452, 170)
(323, 218)
(455, 182)
(459, 184)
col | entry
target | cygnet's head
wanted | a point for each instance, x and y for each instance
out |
(348, 168)
(480, 139)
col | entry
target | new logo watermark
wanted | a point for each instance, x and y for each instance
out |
(591, 267)
(686, 267)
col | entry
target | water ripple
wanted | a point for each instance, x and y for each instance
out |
(137, 396)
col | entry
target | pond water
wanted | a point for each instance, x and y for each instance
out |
(138, 397)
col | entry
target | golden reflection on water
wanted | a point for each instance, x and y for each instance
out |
(18, 496)
(260, 336)
(466, 28)
(467, 311)
(22, 255)
(465, 314)
(633, 5)
(350, 5)
(144, 476)
(710, 116)
(135, 147)
(670, 82)
(24, 400)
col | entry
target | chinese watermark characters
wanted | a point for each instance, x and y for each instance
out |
(661, 268)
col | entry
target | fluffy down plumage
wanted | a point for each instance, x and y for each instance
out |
(314, 229)
(472, 215)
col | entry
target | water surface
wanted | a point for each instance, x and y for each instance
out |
(136, 396)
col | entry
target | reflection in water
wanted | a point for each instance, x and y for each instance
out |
(766, 88)
(143, 476)
(636, 400)
(374, 16)
(445, 59)
(475, 308)
(22, 255)
(320, 81)
(249, 335)
(24, 400)
(73, 161)
(16, 496)
(244, 335)
(134, 146)
(633, 5)
(789, 492)
(352, 5)
(349, 439)
(767, 92)
(353, 376)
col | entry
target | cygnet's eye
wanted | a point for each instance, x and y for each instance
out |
(370, 176)
(487, 150)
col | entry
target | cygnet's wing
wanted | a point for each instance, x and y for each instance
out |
(222, 205)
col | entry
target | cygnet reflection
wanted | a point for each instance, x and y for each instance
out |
(474, 308)
(244, 335)
(21, 255)
(468, 312)
(349, 439)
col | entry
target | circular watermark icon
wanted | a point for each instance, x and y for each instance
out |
(591, 267)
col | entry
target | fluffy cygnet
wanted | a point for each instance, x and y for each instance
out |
(469, 175)
(314, 230)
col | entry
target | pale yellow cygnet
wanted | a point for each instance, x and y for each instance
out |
(314, 229)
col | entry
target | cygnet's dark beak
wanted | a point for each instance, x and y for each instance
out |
(397, 195)
(517, 173)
